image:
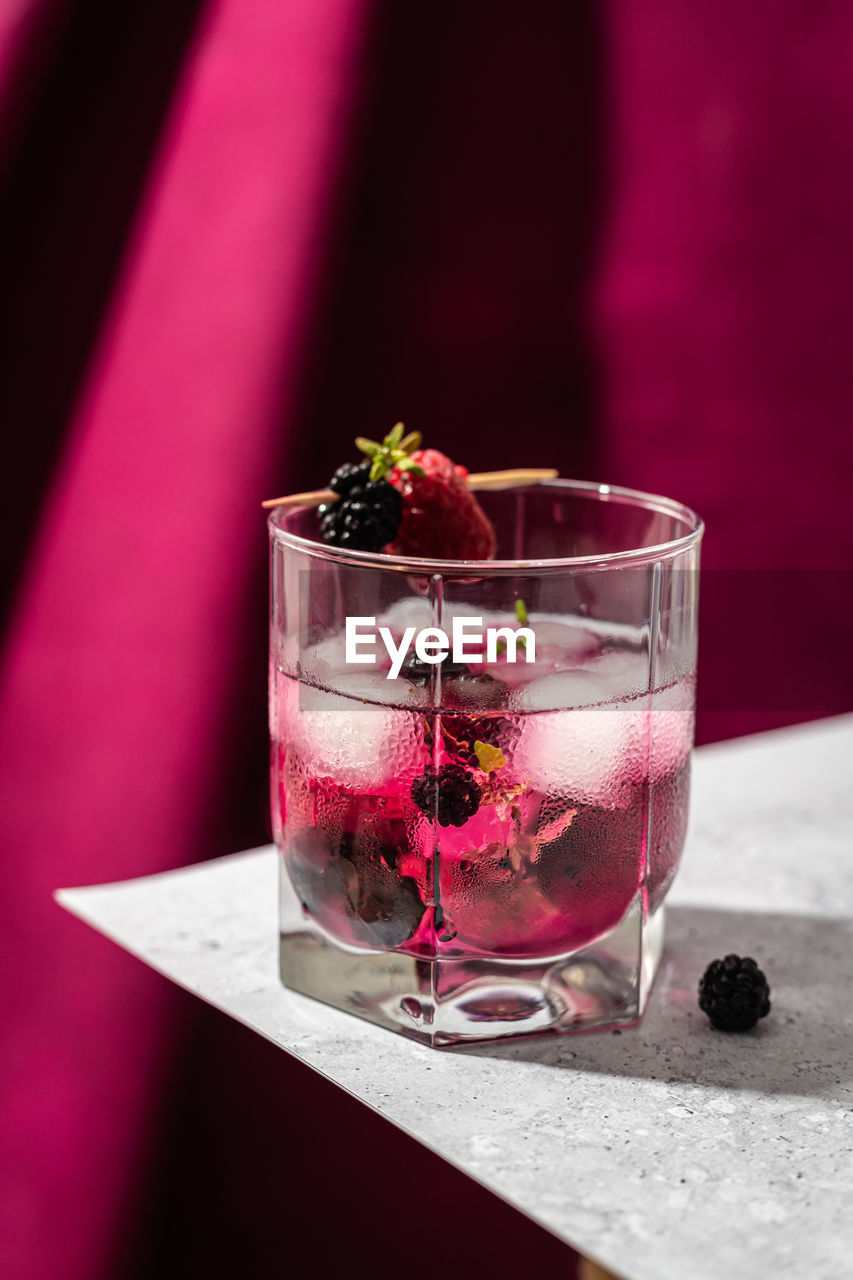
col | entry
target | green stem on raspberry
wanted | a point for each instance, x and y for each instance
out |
(392, 452)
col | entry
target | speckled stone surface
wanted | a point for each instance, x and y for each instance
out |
(664, 1152)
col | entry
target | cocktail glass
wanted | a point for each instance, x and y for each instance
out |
(480, 848)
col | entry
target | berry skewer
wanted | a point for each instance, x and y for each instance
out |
(409, 501)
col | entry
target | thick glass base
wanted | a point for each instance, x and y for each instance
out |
(461, 1000)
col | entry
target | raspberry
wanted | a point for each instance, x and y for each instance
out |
(442, 518)
(451, 794)
(734, 993)
(368, 513)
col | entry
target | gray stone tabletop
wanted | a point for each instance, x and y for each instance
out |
(663, 1152)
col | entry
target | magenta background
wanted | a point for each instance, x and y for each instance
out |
(614, 238)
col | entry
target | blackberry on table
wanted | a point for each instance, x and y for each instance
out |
(367, 514)
(450, 793)
(734, 993)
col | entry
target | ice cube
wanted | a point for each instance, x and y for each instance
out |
(563, 644)
(325, 660)
(560, 691)
(586, 751)
(559, 646)
(356, 743)
(623, 673)
(412, 611)
(666, 719)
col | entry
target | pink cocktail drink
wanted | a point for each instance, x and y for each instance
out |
(586, 809)
(528, 896)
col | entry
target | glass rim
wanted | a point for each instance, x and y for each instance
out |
(425, 567)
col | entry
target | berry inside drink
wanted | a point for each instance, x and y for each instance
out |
(493, 809)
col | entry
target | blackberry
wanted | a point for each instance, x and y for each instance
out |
(734, 993)
(350, 476)
(472, 690)
(460, 686)
(367, 514)
(459, 733)
(420, 673)
(451, 794)
(350, 884)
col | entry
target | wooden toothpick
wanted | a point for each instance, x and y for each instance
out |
(513, 479)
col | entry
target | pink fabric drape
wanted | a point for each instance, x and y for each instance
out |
(725, 300)
(124, 658)
(723, 314)
(27, 28)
